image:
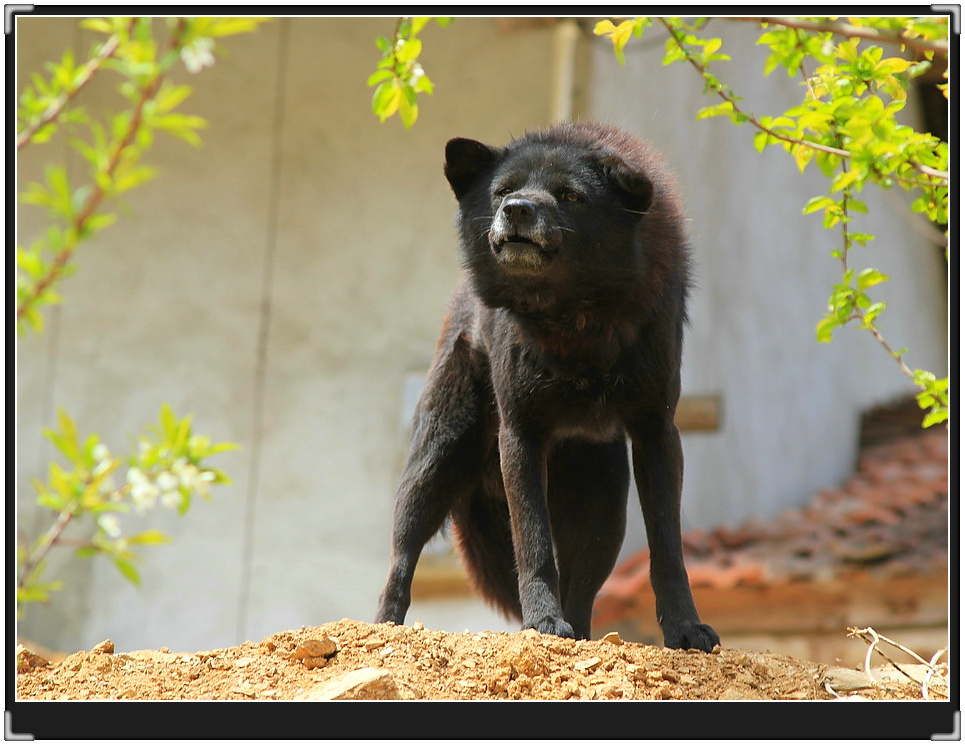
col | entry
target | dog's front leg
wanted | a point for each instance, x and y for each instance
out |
(658, 469)
(523, 461)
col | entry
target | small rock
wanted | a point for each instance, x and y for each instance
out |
(735, 693)
(27, 660)
(635, 672)
(588, 665)
(663, 692)
(418, 626)
(366, 683)
(106, 647)
(314, 653)
(613, 637)
(670, 676)
(324, 647)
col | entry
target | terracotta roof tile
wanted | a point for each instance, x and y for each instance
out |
(890, 517)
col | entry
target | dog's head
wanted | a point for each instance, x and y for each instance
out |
(547, 212)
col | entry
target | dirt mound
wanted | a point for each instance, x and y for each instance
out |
(350, 659)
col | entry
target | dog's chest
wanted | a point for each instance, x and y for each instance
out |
(588, 405)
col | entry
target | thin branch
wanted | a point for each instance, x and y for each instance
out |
(53, 111)
(46, 543)
(863, 634)
(859, 314)
(732, 100)
(97, 195)
(850, 31)
(93, 201)
(750, 117)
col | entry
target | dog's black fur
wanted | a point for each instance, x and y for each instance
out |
(563, 340)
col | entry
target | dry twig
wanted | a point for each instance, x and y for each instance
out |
(876, 638)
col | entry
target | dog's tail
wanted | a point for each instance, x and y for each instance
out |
(483, 536)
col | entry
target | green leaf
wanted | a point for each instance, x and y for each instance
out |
(409, 50)
(168, 422)
(170, 96)
(870, 277)
(817, 203)
(378, 76)
(386, 100)
(408, 111)
(935, 417)
(128, 178)
(725, 107)
(126, 568)
(66, 439)
(825, 329)
(38, 592)
(149, 538)
(182, 125)
(100, 25)
(844, 180)
(218, 27)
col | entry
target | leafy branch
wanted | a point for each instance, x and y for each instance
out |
(113, 149)
(170, 465)
(400, 77)
(72, 85)
(169, 469)
(847, 126)
(914, 33)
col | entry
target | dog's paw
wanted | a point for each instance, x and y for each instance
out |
(691, 636)
(552, 625)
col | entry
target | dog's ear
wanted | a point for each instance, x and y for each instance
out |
(631, 181)
(467, 160)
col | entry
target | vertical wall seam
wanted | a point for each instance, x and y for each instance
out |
(263, 338)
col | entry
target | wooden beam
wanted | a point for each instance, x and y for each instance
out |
(698, 414)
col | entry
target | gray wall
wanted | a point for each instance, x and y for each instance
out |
(285, 281)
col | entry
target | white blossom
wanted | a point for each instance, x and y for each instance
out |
(110, 525)
(171, 499)
(166, 481)
(198, 54)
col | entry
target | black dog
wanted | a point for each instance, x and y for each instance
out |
(564, 339)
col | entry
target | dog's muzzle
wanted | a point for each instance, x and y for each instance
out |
(519, 237)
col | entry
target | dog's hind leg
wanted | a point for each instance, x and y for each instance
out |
(481, 528)
(443, 462)
(587, 485)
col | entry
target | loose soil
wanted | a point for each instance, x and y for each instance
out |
(351, 659)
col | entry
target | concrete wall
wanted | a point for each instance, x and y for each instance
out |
(284, 282)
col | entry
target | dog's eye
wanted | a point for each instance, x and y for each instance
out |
(505, 191)
(570, 196)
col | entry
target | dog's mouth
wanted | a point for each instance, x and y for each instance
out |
(521, 254)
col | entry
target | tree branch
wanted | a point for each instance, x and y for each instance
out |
(97, 195)
(850, 31)
(753, 120)
(749, 117)
(88, 71)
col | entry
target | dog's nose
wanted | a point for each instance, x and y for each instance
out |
(519, 211)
